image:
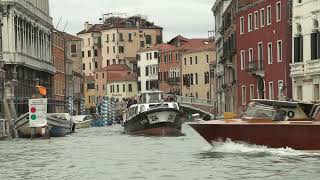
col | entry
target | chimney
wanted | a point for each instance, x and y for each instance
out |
(87, 26)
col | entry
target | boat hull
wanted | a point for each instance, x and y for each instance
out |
(83, 124)
(299, 136)
(168, 122)
(57, 127)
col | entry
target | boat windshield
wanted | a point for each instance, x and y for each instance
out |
(259, 112)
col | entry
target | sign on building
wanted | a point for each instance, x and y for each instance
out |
(38, 112)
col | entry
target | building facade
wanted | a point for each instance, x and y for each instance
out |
(122, 87)
(90, 93)
(74, 72)
(196, 71)
(264, 50)
(26, 47)
(227, 80)
(148, 68)
(59, 62)
(123, 37)
(305, 69)
(91, 48)
(218, 9)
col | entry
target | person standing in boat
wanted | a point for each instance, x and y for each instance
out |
(279, 114)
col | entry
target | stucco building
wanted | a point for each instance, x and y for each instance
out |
(74, 72)
(264, 50)
(196, 71)
(90, 92)
(26, 47)
(148, 67)
(305, 67)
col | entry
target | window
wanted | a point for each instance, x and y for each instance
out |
(108, 62)
(142, 44)
(96, 65)
(278, 11)
(107, 38)
(270, 58)
(73, 48)
(271, 91)
(148, 39)
(244, 98)
(121, 37)
(88, 41)
(103, 75)
(89, 53)
(315, 45)
(299, 1)
(84, 66)
(268, 15)
(147, 71)
(121, 49)
(114, 49)
(197, 78)
(190, 60)
(207, 56)
(130, 87)
(280, 88)
(241, 25)
(251, 91)
(82, 53)
(113, 37)
(256, 20)
(159, 39)
(118, 88)
(250, 55)
(150, 55)
(316, 92)
(155, 54)
(97, 88)
(95, 53)
(196, 59)
(298, 49)
(108, 50)
(260, 52)
(299, 93)
(90, 66)
(249, 22)
(242, 60)
(279, 51)
(262, 17)
(130, 36)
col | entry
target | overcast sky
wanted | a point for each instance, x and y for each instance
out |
(189, 18)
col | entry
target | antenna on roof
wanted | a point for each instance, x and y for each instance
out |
(59, 22)
(65, 27)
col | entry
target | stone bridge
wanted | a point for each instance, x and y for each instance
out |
(207, 108)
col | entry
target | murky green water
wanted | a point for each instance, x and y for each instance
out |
(106, 153)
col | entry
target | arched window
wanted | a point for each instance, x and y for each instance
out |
(315, 24)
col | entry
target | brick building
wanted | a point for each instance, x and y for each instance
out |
(264, 50)
(59, 78)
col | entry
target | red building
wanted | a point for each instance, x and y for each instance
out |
(263, 49)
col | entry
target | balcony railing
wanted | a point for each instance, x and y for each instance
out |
(254, 66)
(174, 81)
(297, 69)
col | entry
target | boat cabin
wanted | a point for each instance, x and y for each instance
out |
(286, 110)
(151, 97)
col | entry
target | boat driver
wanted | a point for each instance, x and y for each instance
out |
(279, 115)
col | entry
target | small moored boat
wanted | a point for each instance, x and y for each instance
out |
(82, 121)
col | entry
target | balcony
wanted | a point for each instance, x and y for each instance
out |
(174, 81)
(297, 69)
(313, 67)
(256, 68)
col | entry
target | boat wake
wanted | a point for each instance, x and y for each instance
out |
(231, 147)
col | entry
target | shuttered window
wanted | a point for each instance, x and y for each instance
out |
(298, 49)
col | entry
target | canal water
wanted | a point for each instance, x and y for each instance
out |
(107, 153)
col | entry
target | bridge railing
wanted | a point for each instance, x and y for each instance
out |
(193, 100)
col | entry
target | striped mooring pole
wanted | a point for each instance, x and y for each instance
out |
(70, 105)
(82, 106)
(105, 108)
(113, 109)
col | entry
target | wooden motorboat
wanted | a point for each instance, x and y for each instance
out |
(299, 127)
